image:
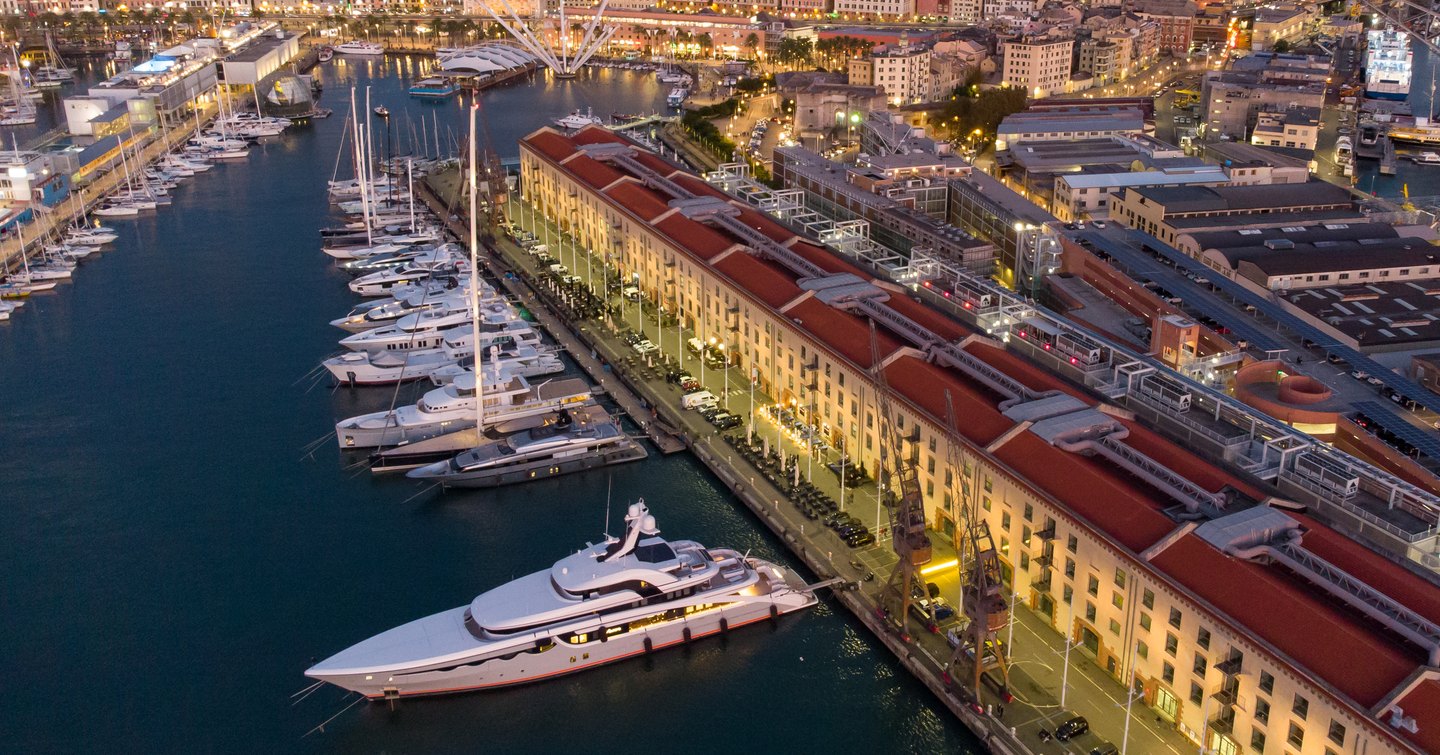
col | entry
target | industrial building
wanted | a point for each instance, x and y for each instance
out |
(1167, 213)
(1240, 614)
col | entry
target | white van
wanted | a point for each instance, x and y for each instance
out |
(695, 345)
(698, 399)
(631, 293)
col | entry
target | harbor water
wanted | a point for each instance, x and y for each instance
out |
(180, 541)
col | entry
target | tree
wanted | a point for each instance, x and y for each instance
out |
(752, 43)
(963, 116)
(707, 45)
(1280, 47)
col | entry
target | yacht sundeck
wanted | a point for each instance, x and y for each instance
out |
(621, 598)
(445, 410)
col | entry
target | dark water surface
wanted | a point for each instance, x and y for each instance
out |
(172, 560)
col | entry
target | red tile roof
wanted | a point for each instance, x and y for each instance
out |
(597, 135)
(936, 322)
(700, 239)
(1028, 374)
(766, 225)
(697, 185)
(925, 385)
(766, 281)
(593, 172)
(1412, 591)
(1333, 643)
(551, 144)
(1117, 504)
(655, 162)
(844, 333)
(1423, 705)
(826, 259)
(1181, 460)
(638, 199)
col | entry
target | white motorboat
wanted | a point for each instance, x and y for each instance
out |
(376, 314)
(578, 120)
(90, 237)
(1426, 158)
(622, 598)
(451, 408)
(591, 439)
(117, 210)
(380, 282)
(429, 328)
(360, 47)
(420, 254)
(442, 365)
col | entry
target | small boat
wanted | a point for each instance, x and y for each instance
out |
(578, 120)
(359, 47)
(5, 309)
(677, 96)
(434, 88)
(1426, 158)
(326, 54)
(620, 598)
(382, 111)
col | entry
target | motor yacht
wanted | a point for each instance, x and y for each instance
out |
(590, 441)
(360, 47)
(578, 120)
(427, 329)
(380, 282)
(440, 365)
(623, 597)
(445, 410)
(374, 314)
(420, 254)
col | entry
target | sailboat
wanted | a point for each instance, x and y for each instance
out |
(54, 73)
(18, 110)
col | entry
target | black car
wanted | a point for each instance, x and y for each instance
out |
(860, 539)
(1106, 749)
(1072, 728)
(727, 421)
(709, 412)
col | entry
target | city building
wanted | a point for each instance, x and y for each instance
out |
(1027, 244)
(902, 71)
(1232, 100)
(1038, 64)
(897, 196)
(170, 83)
(876, 8)
(1068, 124)
(1296, 128)
(1236, 611)
(1106, 59)
(1273, 24)
(1167, 213)
(826, 111)
(1249, 164)
(1086, 196)
(1176, 19)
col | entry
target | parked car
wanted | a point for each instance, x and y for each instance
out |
(1071, 729)
(696, 399)
(726, 420)
(1359, 374)
(860, 539)
(1105, 749)
(646, 347)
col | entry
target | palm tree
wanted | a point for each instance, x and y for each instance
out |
(752, 43)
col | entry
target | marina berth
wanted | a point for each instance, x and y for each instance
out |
(382, 282)
(440, 365)
(621, 598)
(454, 407)
(428, 329)
(590, 441)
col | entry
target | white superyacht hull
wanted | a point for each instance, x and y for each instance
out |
(378, 430)
(524, 661)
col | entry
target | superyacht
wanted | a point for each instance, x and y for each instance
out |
(624, 597)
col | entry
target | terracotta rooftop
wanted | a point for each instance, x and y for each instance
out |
(765, 280)
(640, 200)
(1334, 644)
(597, 135)
(927, 385)
(766, 225)
(592, 171)
(936, 322)
(700, 239)
(844, 333)
(551, 144)
(1423, 705)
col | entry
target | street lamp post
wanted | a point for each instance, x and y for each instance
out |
(1069, 625)
(1130, 700)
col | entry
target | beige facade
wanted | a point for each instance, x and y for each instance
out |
(1193, 666)
(1041, 65)
(876, 7)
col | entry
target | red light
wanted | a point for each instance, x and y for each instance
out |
(1022, 334)
(1073, 360)
(947, 294)
(1047, 347)
(927, 284)
(967, 305)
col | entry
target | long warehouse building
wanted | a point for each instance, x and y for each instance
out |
(1250, 624)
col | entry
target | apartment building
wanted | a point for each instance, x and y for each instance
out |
(1246, 621)
(1232, 100)
(1296, 128)
(1176, 19)
(876, 7)
(902, 71)
(1041, 64)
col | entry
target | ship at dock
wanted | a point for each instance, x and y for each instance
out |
(1388, 64)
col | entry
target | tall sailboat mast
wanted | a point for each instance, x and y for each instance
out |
(475, 276)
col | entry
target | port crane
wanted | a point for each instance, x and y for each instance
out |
(899, 462)
(982, 590)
